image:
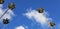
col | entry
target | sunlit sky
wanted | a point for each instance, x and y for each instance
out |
(50, 6)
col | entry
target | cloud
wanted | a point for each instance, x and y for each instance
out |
(1, 5)
(41, 18)
(8, 15)
(20, 27)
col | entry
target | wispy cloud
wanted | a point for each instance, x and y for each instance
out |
(38, 17)
(20, 27)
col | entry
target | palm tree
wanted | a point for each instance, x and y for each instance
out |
(40, 10)
(52, 24)
(11, 6)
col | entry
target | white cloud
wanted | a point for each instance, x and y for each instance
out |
(1, 5)
(20, 27)
(8, 15)
(38, 17)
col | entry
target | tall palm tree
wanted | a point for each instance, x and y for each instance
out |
(52, 24)
(11, 6)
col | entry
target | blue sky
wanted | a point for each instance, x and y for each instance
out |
(50, 6)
